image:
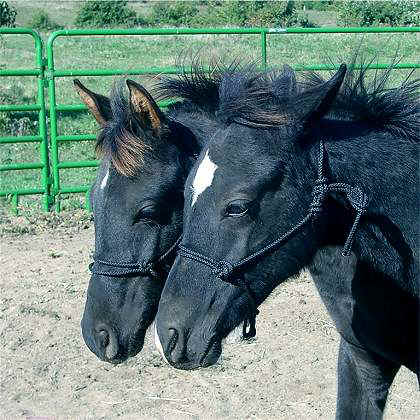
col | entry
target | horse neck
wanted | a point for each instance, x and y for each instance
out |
(384, 168)
(346, 145)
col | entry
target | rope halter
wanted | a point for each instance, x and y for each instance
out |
(232, 272)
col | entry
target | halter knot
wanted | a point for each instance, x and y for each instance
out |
(319, 193)
(358, 199)
(145, 267)
(223, 270)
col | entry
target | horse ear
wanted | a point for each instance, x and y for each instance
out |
(315, 103)
(144, 107)
(97, 104)
(285, 84)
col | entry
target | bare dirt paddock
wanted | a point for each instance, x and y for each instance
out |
(46, 370)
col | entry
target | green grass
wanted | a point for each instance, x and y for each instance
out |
(144, 51)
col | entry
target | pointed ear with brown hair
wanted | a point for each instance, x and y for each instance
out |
(144, 107)
(97, 104)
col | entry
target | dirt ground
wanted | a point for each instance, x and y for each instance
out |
(46, 369)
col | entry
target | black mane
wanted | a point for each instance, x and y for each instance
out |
(265, 98)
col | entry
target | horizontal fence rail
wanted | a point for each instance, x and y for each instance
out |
(47, 76)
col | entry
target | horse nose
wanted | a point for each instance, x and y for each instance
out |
(106, 342)
(171, 344)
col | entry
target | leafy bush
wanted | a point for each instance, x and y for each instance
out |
(237, 12)
(280, 14)
(320, 5)
(367, 13)
(105, 13)
(251, 13)
(17, 123)
(41, 21)
(7, 15)
(174, 13)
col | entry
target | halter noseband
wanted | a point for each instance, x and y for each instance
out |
(122, 269)
(232, 272)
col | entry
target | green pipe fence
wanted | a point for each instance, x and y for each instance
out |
(41, 138)
(48, 75)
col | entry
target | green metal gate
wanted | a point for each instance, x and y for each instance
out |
(41, 138)
(47, 74)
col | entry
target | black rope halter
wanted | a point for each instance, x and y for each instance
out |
(231, 272)
(122, 269)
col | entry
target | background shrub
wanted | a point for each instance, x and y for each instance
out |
(367, 13)
(41, 21)
(173, 13)
(105, 13)
(17, 123)
(320, 5)
(281, 14)
(7, 15)
(251, 13)
(237, 13)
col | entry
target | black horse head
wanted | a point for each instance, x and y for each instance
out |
(285, 168)
(244, 189)
(137, 204)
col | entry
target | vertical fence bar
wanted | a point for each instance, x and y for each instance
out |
(15, 203)
(42, 118)
(53, 126)
(88, 205)
(264, 49)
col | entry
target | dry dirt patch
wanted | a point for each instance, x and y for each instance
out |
(46, 370)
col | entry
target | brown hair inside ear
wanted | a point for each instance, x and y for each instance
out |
(98, 105)
(144, 107)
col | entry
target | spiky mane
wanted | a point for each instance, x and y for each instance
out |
(265, 98)
(245, 94)
(369, 98)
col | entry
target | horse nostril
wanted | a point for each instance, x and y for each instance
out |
(103, 338)
(172, 339)
(106, 342)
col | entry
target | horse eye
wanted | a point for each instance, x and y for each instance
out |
(145, 214)
(237, 208)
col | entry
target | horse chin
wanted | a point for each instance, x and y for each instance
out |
(235, 336)
(136, 343)
(211, 356)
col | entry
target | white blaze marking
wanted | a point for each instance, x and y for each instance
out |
(158, 343)
(203, 177)
(105, 180)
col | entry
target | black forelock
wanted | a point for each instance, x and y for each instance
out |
(121, 138)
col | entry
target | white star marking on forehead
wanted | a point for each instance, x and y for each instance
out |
(203, 177)
(105, 180)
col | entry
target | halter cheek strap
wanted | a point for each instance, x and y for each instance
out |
(122, 269)
(232, 272)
